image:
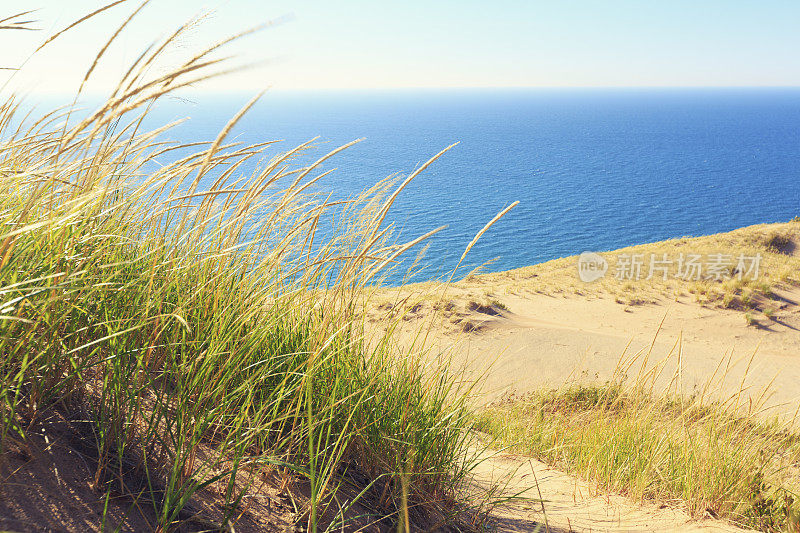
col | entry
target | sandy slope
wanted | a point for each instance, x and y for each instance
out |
(542, 327)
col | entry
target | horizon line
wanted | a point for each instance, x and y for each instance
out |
(273, 89)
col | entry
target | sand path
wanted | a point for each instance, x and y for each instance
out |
(568, 504)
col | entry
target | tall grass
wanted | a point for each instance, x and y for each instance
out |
(194, 316)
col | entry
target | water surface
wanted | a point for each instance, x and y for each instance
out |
(593, 169)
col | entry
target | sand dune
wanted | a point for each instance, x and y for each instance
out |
(541, 326)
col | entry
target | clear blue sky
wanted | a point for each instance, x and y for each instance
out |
(370, 44)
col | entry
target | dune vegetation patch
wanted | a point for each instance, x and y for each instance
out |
(711, 457)
(754, 291)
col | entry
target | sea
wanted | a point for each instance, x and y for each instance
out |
(592, 169)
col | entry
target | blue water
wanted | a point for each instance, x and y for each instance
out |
(593, 169)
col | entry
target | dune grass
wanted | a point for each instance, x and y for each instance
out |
(194, 315)
(714, 456)
(775, 244)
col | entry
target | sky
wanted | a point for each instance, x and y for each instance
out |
(355, 44)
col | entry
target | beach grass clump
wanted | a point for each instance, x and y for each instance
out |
(199, 319)
(709, 456)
